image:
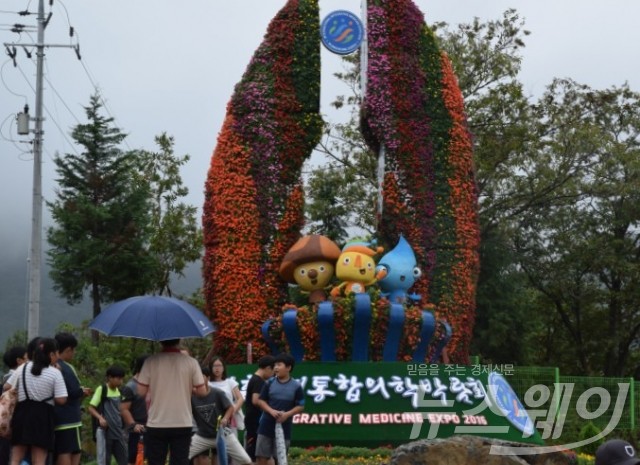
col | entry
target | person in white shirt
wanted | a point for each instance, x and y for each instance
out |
(231, 388)
(39, 386)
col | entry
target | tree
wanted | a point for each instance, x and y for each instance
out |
(327, 212)
(175, 239)
(582, 250)
(507, 317)
(101, 215)
(487, 58)
(345, 188)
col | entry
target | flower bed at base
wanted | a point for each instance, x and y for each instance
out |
(359, 455)
(344, 309)
(340, 455)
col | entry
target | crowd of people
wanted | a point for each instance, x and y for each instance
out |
(172, 407)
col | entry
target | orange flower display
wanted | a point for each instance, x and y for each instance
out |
(254, 201)
(414, 108)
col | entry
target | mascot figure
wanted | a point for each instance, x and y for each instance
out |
(310, 263)
(356, 268)
(398, 271)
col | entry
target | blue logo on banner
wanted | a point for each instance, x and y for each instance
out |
(341, 32)
(508, 403)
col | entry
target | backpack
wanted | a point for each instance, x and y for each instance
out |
(8, 402)
(95, 424)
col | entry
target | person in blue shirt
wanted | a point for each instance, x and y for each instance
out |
(281, 398)
(68, 417)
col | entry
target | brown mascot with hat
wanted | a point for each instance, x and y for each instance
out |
(310, 263)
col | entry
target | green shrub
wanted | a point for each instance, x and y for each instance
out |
(589, 431)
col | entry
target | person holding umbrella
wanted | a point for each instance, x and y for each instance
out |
(231, 388)
(169, 377)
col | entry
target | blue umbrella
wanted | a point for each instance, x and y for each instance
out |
(156, 318)
(221, 446)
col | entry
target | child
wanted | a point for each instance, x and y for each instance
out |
(105, 408)
(40, 386)
(206, 411)
(133, 409)
(281, 398)
(12, 358)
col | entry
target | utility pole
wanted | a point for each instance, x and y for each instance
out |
(35, 251)
(35, 255)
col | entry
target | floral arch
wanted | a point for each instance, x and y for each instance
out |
(253, 211)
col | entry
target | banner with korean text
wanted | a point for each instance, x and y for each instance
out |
(384, 403)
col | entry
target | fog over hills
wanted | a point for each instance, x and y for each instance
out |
(14, 302)
(14, 294)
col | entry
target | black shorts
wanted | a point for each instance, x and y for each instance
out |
(68, 441)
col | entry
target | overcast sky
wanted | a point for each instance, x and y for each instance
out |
(171, 66)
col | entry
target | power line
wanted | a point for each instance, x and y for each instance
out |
(61, 99)
(102, 100)
(55, 122)
(66, 12)
(35, 256)
(6, 86)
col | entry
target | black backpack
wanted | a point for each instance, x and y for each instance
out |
(95, 424)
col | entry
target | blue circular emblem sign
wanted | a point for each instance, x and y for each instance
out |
(508, 403)
(341, 32)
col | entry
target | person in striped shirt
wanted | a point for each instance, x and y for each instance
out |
(40, 385)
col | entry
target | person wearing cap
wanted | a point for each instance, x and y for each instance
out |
(616, 452)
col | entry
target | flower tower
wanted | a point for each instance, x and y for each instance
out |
(253, 209)
(413, 108)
